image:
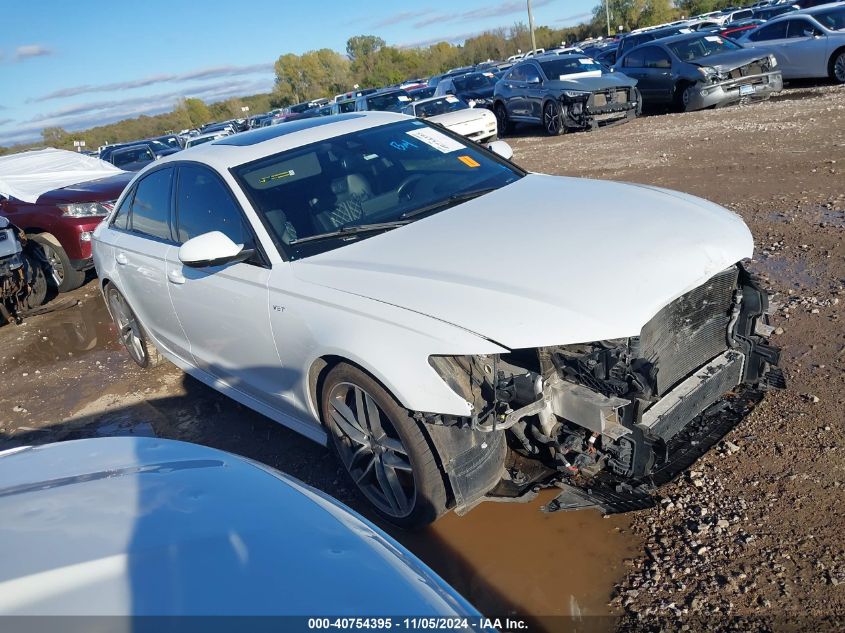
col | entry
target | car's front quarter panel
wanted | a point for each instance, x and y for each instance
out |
(311, 322)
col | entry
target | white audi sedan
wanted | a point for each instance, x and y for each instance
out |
(455, 328)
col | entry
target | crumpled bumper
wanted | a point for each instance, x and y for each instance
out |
(753, 87)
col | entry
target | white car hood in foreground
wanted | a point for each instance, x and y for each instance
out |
(544, 261)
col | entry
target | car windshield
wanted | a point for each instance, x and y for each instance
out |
(565, 67)
(475, 81)
(703, 46)
(390, 101)
(326, 194)
(834, 19)
(439, 106)
(172, 141)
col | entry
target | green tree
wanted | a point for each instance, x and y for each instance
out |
(309, 76)
(197, 112)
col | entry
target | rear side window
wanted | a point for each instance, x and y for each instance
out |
(204, 204)
(151, 205)
(776, 31)
(634, 60)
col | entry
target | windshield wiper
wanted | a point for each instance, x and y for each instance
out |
(350, 230)
(451, 200)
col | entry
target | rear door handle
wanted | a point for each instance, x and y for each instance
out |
(175, 277)
(121, 259)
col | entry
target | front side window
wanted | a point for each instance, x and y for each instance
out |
(531, 75)
(121, 216)
(634, 60)
(204, 204)
(654, 57)
(327, 194)
(799, 28)
(151, 205)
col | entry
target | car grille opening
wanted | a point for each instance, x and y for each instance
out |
(690, 331)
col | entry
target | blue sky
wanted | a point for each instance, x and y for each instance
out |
(80, 64)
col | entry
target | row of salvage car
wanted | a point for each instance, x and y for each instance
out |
(686, 70)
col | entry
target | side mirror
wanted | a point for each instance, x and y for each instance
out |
(212, 249)
(501, 148)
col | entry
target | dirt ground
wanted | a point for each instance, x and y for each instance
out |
(751, 538)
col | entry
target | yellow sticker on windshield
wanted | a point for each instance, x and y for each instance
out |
(468, 161)
(278, 176)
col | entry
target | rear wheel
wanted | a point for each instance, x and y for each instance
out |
(130, 331)
(837, 67)
(67, 277)
(502, 121)
(382, 448)
(552, 119)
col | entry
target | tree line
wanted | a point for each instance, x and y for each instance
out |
(370, 62)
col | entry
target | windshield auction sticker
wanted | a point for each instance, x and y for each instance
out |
(437, 140)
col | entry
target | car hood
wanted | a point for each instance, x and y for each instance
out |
(100, 190)
(458, 117)
(607, 80)
(730, 59)
(143, 526)
(543, 261)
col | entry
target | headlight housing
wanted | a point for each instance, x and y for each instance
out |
(576, 94)
(773, 61)
(707, 71)
(87, 209)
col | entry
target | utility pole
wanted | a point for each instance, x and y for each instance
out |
(607, 13)
(531, 27)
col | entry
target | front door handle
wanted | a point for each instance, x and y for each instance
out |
(175, 277)
(121, 259)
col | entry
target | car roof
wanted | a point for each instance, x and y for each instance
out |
(818, 9)
(430, 99)
(260, 142)
(675, 38)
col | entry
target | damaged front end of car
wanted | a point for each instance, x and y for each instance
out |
(609, 421)
(720, 86)
(589, 110)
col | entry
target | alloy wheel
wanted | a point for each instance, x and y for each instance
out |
(501, 119)
(839, 68)
(55, 263)
(551, 118)
(129, 330)
(371, 450)
(686, 96)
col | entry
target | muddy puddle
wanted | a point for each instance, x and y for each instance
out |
(511, 558)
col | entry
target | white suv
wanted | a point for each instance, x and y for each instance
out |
(456, 328)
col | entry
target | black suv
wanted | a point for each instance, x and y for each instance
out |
(564, 92)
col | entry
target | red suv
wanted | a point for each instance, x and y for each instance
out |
(62, 221)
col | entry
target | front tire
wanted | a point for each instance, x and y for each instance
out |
(130, 331)
(837, 67)
(68, 277)
(683, 95)
(552, 119)
(37, 286)
(382, 448)
(503, 122)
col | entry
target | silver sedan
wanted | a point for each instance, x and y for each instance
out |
(808, 43)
